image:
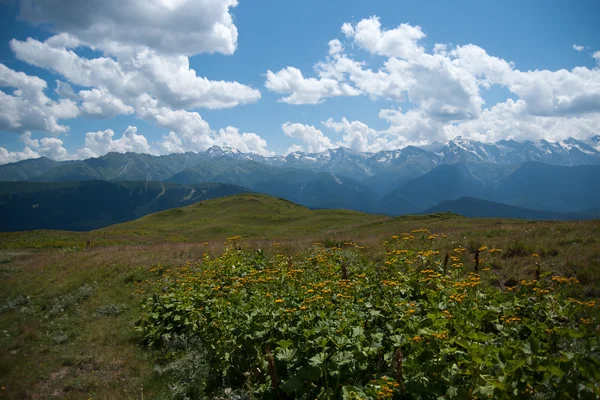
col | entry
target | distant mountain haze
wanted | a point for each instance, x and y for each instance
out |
(87, 205)
(562, 179)
(406, 163)
(477, 208)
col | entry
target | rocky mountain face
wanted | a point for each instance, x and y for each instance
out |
(559, 177)
(458, 150)
(407, 162)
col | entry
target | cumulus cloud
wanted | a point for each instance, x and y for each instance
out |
(65, 91)
(305, 90)
(99, 102)
(28, 107)
(102, 142)
(315, 141)
(335, 47)
(357, 135)
(169, 79)
(433, 81)
(195, 136)
(50, 147)
(7, 156)
(28, 152)
(512, 120)
(244, 142)
(190, 132)
(225, 137)
(442, 90)
(96, 144)
(168, 26)
(402, 42)
(507, 120)
(577, 47)
(145, 47)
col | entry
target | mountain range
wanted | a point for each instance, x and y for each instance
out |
(562, 178)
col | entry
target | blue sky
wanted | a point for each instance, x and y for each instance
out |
(523, 61)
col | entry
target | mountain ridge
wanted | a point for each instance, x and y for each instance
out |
(478, 208)
(396, 182)
(344, 161)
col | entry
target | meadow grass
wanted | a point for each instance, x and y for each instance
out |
(68, 300)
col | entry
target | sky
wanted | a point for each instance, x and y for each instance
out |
(80, 79)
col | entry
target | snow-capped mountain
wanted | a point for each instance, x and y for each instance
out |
(594, 142)
(358, 165)
(543, 175)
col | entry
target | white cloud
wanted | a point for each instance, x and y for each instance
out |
(443, 90)
(305, 90)
(168, 26)
(145, 46)
(578, 47)
(102, 142)
(314, 139)
(100, 103)
(244, 142)
(335, 47)
(96, 144)
(191, 133)
(413, 127)
(293, 149)
(28, 152)
(144, 70)
(27, 107)
(357, 135)
(347, 29)
(508, 120)
(65, 91)
(150, 85)
(14, 156)
(433, 82)
(168, 79)
(400, 42)
(562, 92)
(189, 125)
(512, 120)
(52, 148)
(29, 141)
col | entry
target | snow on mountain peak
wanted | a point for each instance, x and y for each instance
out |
(569, 151)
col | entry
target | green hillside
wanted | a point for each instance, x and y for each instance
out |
(255, 216)
(69, 301)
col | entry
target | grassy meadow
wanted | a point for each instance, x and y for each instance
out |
(77, 308)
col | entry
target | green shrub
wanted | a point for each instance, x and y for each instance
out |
(402, 328)
(111, 310)
(187, 370)
(62, 303)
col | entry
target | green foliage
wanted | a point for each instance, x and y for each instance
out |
(13, 303)
(188, 372)
(335, 324)
(111, 310)
(61, 303)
